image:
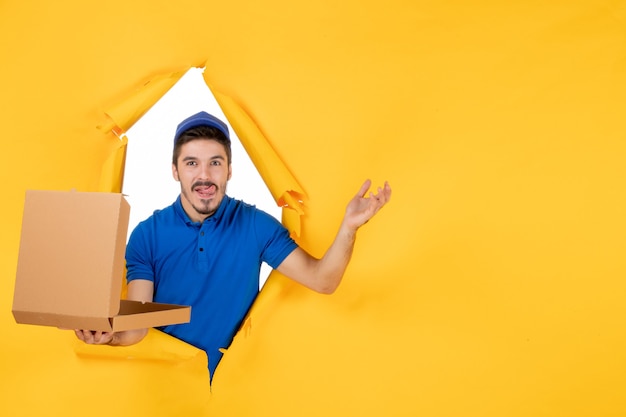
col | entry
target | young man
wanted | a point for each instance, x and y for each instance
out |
(206, 249)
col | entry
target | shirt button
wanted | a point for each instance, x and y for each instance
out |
(201, 249)
(201, 233)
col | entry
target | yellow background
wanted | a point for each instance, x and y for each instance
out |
(491, 285)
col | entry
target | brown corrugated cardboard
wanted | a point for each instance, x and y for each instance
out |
(71, 265)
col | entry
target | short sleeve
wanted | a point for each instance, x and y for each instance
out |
(138, 255)
(274, 239)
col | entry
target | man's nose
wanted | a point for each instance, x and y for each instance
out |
(204, 171)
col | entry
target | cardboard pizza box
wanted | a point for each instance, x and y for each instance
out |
(71, 265)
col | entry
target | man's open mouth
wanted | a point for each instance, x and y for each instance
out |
(206, 191)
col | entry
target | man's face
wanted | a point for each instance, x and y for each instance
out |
(202, 169)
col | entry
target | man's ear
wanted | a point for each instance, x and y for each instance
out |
(230, 172)
(175, 172)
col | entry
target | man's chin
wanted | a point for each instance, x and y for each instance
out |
(206, 206)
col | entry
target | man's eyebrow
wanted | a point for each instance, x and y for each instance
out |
(191, 157)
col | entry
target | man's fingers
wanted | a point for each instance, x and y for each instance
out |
(366, 186)
(85, 335)
(382, 194)
(101, 337)
(93, 337)
(385, 191)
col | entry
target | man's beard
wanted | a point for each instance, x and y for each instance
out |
(209, 205)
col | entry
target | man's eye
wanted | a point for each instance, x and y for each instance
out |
(192, 163)
(216, 163)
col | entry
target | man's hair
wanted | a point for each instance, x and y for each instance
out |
(201, 133)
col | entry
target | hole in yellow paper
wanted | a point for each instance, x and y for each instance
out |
(148, 181)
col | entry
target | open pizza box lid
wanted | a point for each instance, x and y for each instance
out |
(71, 265)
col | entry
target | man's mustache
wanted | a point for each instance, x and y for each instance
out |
(204, 184)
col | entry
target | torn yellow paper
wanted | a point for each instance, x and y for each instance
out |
(281, 183)
(121, 116)
(491, 285)
(112, 171)
(156, 346)
(126, 112)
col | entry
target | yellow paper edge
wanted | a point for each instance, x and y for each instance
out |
(282, 184)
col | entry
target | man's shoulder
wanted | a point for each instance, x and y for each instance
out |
(159, 216)
(243, 213)
(162, 213)
(234, 205)
(163, 224)
(251, 211)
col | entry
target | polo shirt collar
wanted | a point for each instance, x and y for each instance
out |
(180, 211)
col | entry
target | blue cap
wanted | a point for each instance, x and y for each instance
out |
(201, 119)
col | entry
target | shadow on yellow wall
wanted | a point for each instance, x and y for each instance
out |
(492, 284)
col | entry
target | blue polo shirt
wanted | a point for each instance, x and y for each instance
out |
(212, 266)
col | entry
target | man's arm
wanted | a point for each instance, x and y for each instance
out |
(138, 290)
(324, 275)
